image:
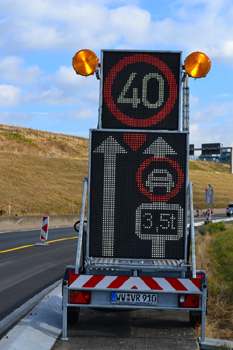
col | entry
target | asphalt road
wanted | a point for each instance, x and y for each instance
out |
(27, 271)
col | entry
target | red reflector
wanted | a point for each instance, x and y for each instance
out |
(200, 276)
(77, 297)
(189, 301)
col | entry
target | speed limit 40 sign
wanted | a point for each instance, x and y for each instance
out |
(140, 90)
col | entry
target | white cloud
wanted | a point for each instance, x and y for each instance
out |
(62, 87)
(198, 26)
(56, 25)
(66, 78)
(212, 112)
(82, 91)
(35, 36)
(12, 71)
(9, 95)
(191, 25)
(212, 133)
(50, 96)
(82, 114)
(132, 23)
(212, 122)
(194, 100)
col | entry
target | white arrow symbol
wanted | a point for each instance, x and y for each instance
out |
(110, 147)
(159, 148)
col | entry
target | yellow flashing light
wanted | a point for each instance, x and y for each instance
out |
(197, 65)
(85, 62)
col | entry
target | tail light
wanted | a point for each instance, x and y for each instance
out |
(188, 300)
(77, 297)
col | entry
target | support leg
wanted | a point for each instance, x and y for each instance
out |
(64, 311)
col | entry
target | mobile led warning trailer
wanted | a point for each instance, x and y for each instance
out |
(140, 90)
(134, 249)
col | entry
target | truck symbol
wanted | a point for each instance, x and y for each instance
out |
(160, 181)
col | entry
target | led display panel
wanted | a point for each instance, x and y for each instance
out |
(140, 90)
(137, 194)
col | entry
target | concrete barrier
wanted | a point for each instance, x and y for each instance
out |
(15, 223)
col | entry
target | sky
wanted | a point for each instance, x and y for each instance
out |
(39, 88)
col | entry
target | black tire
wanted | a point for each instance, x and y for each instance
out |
(77, 223)
(72, 314)
(194, 318)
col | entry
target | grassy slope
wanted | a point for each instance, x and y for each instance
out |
(48, 184)
(41, 184)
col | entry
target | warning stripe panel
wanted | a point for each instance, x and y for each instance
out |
(93, 281)
(101, 282)
(176, 284)
(134, 283)
(118, 282)
(151, 283)
(72, 278)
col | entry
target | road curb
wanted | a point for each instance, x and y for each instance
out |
(214, 344)
(40, 328)
(20, 312)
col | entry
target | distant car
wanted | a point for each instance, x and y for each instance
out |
(229, 211)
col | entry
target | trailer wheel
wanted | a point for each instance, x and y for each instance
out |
(72, 314)
(77, 224)
(194, 318)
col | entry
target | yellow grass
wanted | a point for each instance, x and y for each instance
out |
(39, 175)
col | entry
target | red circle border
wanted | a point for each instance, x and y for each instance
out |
(155, 198)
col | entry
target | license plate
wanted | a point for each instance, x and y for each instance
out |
(134, 298)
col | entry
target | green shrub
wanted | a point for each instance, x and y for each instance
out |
(212, 228)
(19, 138)
(221, 253)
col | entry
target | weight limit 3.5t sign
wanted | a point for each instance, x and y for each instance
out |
(137, 194)
(140, 90)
